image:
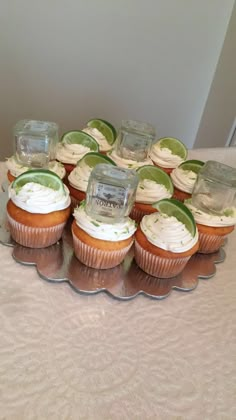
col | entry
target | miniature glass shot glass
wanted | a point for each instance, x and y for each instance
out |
(134, 140)
(35, 142)
(111, 193)
(215, 188)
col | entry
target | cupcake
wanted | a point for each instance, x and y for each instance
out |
(79, 176)
(184, 178)
(38, 208)
(168, 153)
(98, 244)
(213, 228)
(73, 146)
(15, 168)
(103, 132)
(166, 240)
(102, 231)
(154, 185)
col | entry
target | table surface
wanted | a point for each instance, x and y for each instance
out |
(67, 356)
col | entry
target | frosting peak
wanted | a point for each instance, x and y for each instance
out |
(228, 218)
(17, 168)
(106, 231)
(167, 233)
(36, 198)
(71, 153)
(79, 177)
(164, 157)
(183, 180)
(104, 146)
(150, 191)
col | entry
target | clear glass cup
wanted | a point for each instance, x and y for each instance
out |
(215, 188)
(35, 142)
(134, 140)
(111, 193)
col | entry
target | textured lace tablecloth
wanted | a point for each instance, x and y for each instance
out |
(66, 356)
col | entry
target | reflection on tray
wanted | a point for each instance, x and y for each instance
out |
(58, 263)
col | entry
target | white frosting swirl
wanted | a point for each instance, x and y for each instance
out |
(214, 220)
(104, 146)
(105, 231)
(183, 180)
(57, 168)
(79, 177)
(127, 163)
(71, 153)
(149, 191)
(17, 168)
(167, 233)
(164, 157)
(36, 198)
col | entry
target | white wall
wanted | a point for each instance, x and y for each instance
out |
(68, 61)
(219, 115)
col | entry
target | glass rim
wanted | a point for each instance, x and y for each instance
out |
(130, 173)
(205, 171)
(20, 127)
(138, 126)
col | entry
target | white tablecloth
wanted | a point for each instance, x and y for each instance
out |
(66, 356)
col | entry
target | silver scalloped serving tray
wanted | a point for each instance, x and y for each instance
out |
(58, 263)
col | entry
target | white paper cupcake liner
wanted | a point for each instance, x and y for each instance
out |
(74, 203)
(209, 243)
(137, 214)
(34, 237)
(98, 258)
(158, 266)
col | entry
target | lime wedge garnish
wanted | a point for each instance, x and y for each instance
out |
(42, 176)
(176, 146)
(105, 128)
(155, 174)
(172, 207)
(192, 165)
(111, 127)
(79, 137)
(92, 159)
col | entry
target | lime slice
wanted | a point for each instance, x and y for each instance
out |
(92, 159)
(172, 207)
(44, 177)
(105, 128)
(79, 137)
(176, 146)
(156, 174)
(111, 127)
(192, 165)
